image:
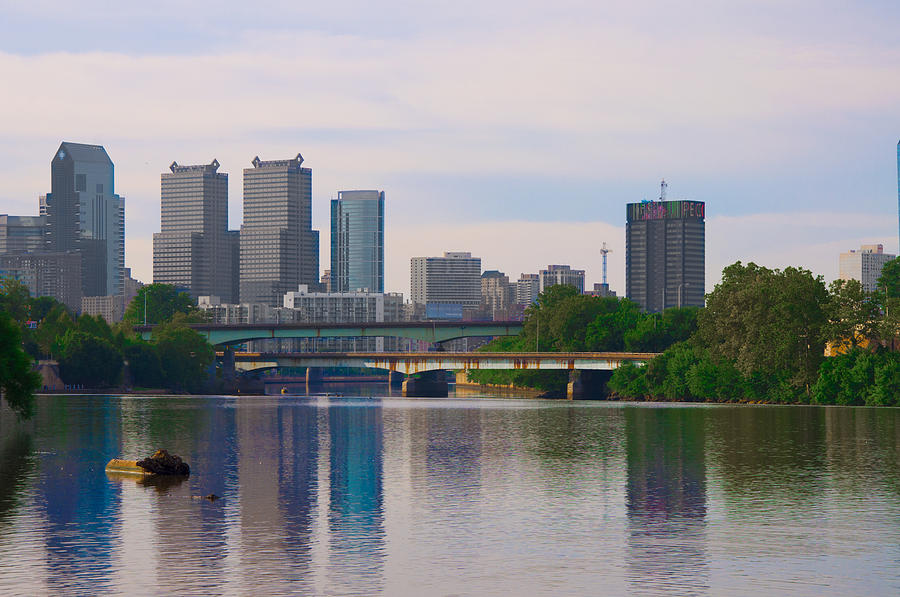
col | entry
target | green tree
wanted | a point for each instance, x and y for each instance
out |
(144, 365)
(852, 315)
(658, 331)
(163, 302)
(767, 321)
(889, 281)
(88, 360)
(184, 354)
(18, 381)
(51, 330)
(14, 297)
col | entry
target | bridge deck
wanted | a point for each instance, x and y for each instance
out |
(410, 363)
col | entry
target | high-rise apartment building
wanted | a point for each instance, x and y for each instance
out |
(193, 250)
(864, 265)
(497, 294)
(279, 249)
(454, 279)
(357, 241)
(21, 233)
(562, 274)
(528, 287)
(665, 254)
(84, 214)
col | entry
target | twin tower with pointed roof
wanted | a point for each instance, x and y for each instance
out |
(275, 250)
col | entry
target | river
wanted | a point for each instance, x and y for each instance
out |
(367, 494)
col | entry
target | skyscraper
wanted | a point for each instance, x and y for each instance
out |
(84, 214)
(279, 248)
(665, 254)
(357, 241)
(22, 233)
(193, 250)
(898, 187)
(454, 279)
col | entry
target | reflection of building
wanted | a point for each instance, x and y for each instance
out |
(864, 265)
(193, 250)
(454, 279)
(357, 241)
(528, 288)
(356, 505)
(666, 499)
(665, 253)
(84, 214)
(47, 274)
(562, 274)
(279, 248)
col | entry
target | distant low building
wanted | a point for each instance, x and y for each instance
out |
(110, 307)
(562, 274)
(528, 287)
(864, 265)
(54, 274)
(601, 290)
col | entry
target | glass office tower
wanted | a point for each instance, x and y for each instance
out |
(357, 241)
(85, 214)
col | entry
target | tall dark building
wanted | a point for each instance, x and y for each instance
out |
(193, 250)
(84, 214)
(665, 254)
(279, 248)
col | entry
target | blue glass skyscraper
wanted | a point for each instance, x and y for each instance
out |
(357, 241)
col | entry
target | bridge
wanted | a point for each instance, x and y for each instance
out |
(586, 369)
(428, 331)
(411, 363)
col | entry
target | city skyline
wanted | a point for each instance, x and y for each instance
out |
(787, 131)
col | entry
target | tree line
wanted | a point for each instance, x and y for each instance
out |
(761, 337)
(93, 354)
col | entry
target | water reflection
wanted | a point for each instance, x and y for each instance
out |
(78, 504)
(356, 514)
(666, 501)
(326, 495)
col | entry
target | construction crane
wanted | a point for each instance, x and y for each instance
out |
(604, 251)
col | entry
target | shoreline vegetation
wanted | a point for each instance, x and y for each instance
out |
(761, 338)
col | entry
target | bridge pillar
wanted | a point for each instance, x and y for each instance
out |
(395, 379)
(430, 384)
(313, 375)
(587, 384)
(228, 369)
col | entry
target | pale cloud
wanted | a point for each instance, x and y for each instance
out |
(405, 96)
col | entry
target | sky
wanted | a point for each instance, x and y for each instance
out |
(514, 130)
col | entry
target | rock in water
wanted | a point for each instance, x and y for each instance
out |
(163, 463)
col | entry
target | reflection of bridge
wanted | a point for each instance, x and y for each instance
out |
(424, 365)
(429, 331)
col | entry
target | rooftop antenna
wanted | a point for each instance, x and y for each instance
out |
(662, 190)
(604, 251)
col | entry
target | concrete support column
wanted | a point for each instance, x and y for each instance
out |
(429, 384)
(228, 369)
(313, 375)
(395, 379)
(587, 385)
